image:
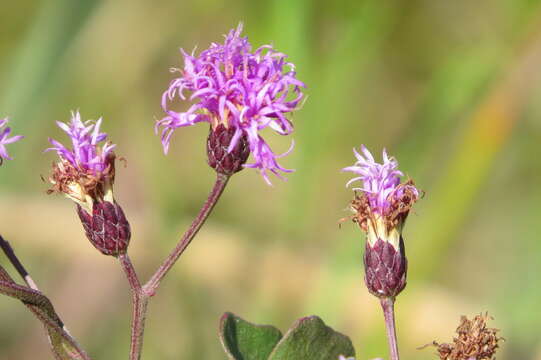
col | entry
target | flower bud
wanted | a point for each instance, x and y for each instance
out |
(107, 227)
(219, 158)
(385, 268)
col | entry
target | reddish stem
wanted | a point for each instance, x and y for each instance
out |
(140, 302)
(44, 312)
(142, 294)
(219, 186)
(387, 304)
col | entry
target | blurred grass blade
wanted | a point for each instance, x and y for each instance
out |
(489, 128)
(38, 58)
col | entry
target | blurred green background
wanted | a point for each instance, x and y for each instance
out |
(451, 88)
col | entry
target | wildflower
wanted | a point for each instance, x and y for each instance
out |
(85, 174)
(239, 92)
(5, 139)
(381, 206)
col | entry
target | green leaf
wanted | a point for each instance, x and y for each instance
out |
(311, 339)
(246, 341)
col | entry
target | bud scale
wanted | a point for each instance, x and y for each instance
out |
(219, 158)
(107, 227)
(385, 268)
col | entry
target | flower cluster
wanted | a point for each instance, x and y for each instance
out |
(383, 196)
(85, 171)
(5, 131)
(242, 90)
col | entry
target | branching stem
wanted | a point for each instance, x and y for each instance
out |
(140, 302)
(141, 294)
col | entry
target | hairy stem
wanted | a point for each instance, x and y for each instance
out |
(387, 305)
(142, 294)
(219, 186)
(139, 303)
(43, 309)
(40, 305)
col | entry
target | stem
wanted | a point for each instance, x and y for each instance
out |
(141, 294)
(140, 302)
(219, 186)
(36, 302)
(43, 309)
(14, 260)
(387, 305)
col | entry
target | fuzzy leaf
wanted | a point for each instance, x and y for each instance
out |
(242, 340)
(310, 339)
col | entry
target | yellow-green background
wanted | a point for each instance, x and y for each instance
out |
(451, 88)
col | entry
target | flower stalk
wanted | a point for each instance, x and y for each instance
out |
(140, 303)
(387, 304)
(221, 181)
(63, 345)
(141, 294)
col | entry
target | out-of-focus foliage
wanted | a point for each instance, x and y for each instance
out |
(451, 88)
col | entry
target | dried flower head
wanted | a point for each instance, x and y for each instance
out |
(85, 173)
(5, 139)
(86, 170)
(474, 341)
(244, 90)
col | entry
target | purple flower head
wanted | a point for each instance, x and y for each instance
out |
(5, 139)
(86, 153)
(383, 195)
(86, 169)
(242, 89)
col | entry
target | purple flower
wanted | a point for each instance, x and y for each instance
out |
(85, 172)
(380, 182)
(383, 195)
(5, 139)
(241, 89)
(85, 154)
(380, 207)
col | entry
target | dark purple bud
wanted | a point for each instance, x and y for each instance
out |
(107, 227)
(385, 268)
(218, 143)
